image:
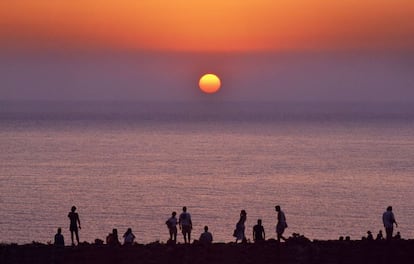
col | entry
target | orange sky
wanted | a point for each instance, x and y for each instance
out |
(212, 25)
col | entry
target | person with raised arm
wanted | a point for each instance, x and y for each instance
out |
(74, 224)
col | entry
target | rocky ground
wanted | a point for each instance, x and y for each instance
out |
(293, 251)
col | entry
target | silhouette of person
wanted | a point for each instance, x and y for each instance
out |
(74, 222)
(388, 220)
(281, 223)
(240, 227)
(172, 226)
(129, 237)
(379, 236)
(206, 238)
(397, 236)
(258, 232)
(185, 225)
(112, 238)
(370, 237)
(59, 240)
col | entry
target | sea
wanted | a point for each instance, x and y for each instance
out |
(332, 167)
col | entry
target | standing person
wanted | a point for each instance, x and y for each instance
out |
(74, 221)
(388, 220)
(185, 225)
(172, 227)
(258, 232)
(59, 240)
(281, 223)
(240, 227)
(129, 237)
(206, 238)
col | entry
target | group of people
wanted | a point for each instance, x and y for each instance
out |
(75, 225)
(185, 224)
(380, 236)
(113, 240)
(258, 230)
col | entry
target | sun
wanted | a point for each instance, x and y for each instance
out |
(209, 83)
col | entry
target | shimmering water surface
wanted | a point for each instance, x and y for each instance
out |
(333, 173)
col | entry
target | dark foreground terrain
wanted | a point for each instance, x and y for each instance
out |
(401, 251)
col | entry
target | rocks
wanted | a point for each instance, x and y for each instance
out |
(296, 250)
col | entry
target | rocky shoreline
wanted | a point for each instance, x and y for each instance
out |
(294, 251)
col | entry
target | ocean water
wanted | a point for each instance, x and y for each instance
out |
(333, 169)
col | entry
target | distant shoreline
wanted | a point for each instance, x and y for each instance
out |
(292, 251)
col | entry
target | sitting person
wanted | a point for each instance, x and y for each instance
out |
(206, 238)
(129, 237)
(112, 238)
(379, 236)
(59, 240)
(258, 232)
(397, 236)
(370, 237)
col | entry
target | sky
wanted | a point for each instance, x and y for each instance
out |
(263, 50)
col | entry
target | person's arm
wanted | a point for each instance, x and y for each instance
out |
(191, 223)
(78, 222)
(393, 220)
(264, 234)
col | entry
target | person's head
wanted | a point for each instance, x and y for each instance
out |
(129, 230)
(59, 230)
(115, 231)
(259, 221)
(369, 232)
(205, 228)
(389, 208)
(184, 209)
(243, 213)
(174, 213)
(277, 208)
(73, 209)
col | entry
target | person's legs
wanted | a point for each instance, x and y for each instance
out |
(77, 236)
(184, 235)
(389, 232)
(71, 236)
(171, 233)
(279, 230)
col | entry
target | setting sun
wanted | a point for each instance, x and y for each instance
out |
(209, 83)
